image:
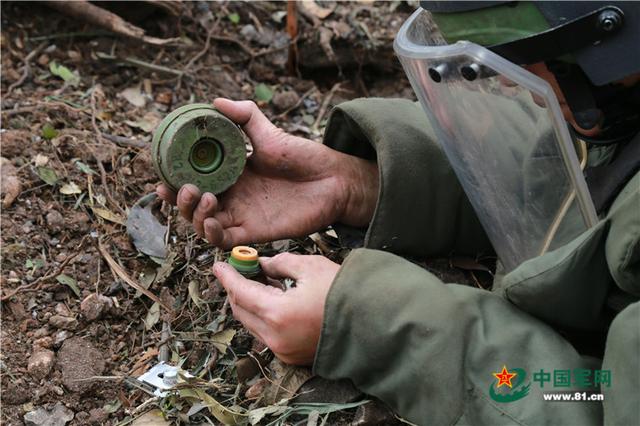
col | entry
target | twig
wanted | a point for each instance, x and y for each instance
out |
(138, 63)
(324, 106)
(292, 30)
(163, 348)
(122, 141)
(27, 68)
(27, 287)
(240, 44)
(15, 111)
(117, 270)
(72, 34)
(284, 113)
(103, 172)
(198, 55)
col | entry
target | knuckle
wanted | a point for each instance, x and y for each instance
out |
(276, 318)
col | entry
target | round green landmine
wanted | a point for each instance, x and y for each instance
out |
(196, 144)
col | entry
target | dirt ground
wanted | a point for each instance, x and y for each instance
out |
(75, 159)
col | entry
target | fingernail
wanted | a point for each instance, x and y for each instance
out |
(206, 201)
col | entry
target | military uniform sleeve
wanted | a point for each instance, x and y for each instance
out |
(422, 209)
(430, 349)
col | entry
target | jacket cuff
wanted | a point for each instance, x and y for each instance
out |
(421, 209)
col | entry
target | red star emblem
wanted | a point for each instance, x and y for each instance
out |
(504, 377)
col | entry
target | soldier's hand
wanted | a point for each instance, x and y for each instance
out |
(290, 187)
(290, 322)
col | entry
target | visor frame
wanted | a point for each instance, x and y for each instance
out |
(408, 51)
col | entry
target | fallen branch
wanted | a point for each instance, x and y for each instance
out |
(27, 68)
(325, 106)
(117, 270)
(138, 63)
(82, 9)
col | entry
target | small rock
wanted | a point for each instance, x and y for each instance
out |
(257, 389)
(58, 416)
(82, 418)
(61, 294)
(250, 33)
(55, 220)
(41, 332)
(79, 359)
(40, 363)
(16, 393)
(10, 184)
(17, 310)
(285, 100)
(165, 98)
(45, 342)
(95, 306)
(27, 227)
(60, 337)
(61, 309)
(246, 368)
(97, 416)
(43, 59)
(64, 323)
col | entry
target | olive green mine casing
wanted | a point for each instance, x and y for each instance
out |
(196, 144)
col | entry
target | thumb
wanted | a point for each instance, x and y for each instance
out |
(249, 295)
(283, 265)
(247, 115)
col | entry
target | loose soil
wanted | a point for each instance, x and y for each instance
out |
(76, 159)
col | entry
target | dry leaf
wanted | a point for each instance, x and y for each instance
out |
(134, 96)
(194, 293)
(222, 340)
(147, 123)
(285, 382)
(70, 188)
(151, 418)
(219, 411)
(153, 315)
(316, 10)
(108, 215)
(41, 160)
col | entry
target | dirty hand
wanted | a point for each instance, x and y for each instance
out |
(290, 187)
(290, 322)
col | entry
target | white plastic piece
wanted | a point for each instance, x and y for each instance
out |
(162, 377)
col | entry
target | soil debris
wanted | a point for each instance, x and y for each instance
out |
(95, 306)
(40, 363)
(80, 361)
(59, 415)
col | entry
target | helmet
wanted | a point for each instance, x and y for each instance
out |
(586, 44)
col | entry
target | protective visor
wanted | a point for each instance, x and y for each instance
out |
(504, 134)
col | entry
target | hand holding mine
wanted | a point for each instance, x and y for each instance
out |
(290, 187)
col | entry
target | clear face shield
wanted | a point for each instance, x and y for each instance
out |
(504, 134)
